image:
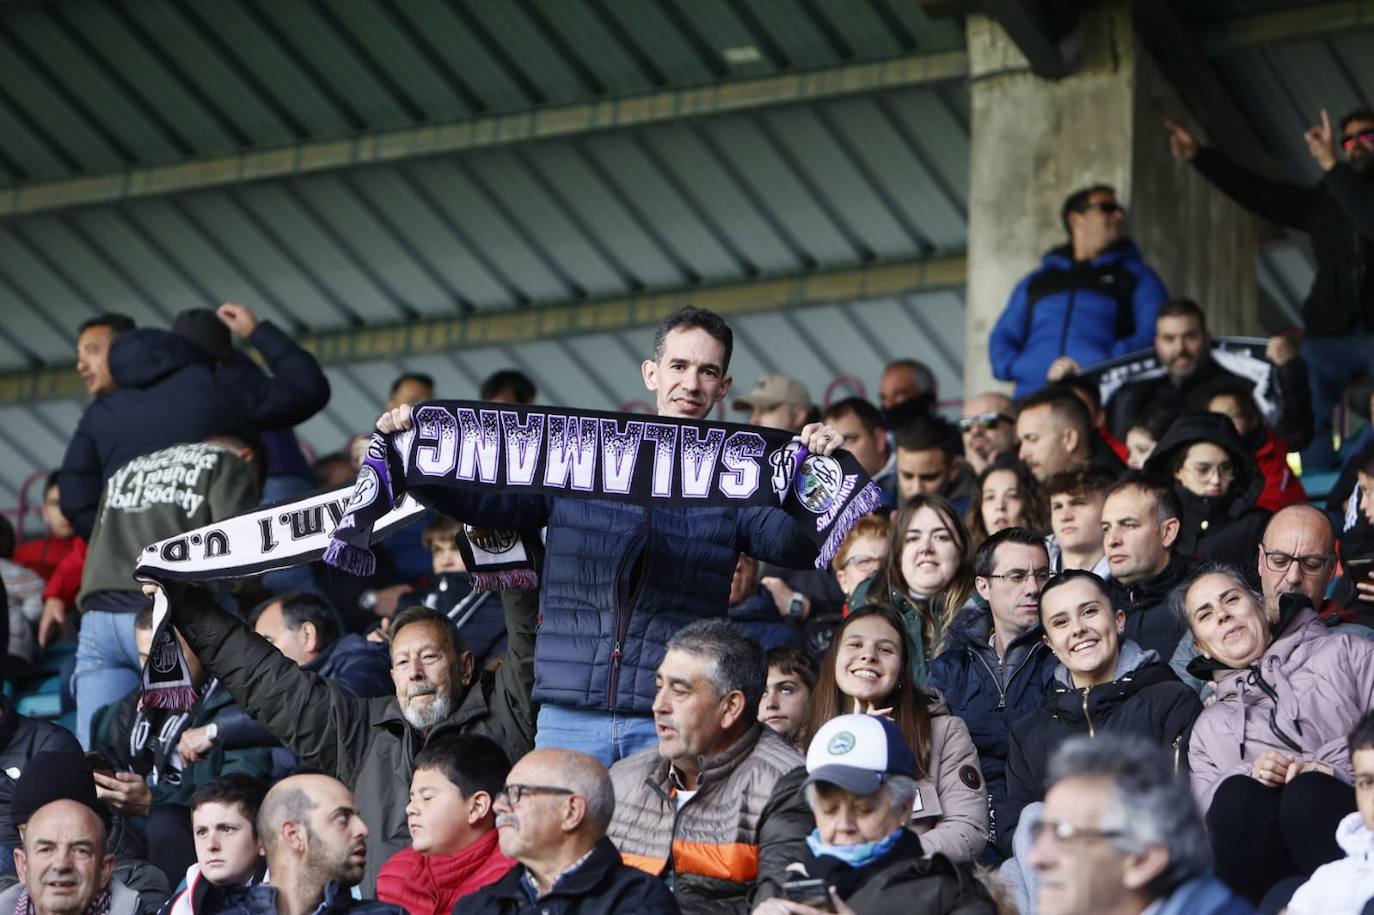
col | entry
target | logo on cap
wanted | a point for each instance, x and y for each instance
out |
(840, 744)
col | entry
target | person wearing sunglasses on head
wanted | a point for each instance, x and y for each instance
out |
(1338, 213)
(1091, 299)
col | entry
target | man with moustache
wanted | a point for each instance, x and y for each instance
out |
(552, 817)
(316, 846)
(64, 868)
(372, 743)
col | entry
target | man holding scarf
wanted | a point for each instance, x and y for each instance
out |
(620, 578)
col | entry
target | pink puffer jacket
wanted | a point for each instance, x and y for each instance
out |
(1302, 699)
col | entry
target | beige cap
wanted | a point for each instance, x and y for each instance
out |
(773, 390)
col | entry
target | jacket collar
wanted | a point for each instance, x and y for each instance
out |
(1155, 588)
(715, 768)
(580, 882)
(1295, 611)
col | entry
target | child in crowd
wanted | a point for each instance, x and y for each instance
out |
(1343, 887)
(478, 616)
(224, 815)
(791, 678)
(454, 847)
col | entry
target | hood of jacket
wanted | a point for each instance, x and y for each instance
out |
(1190, 429)
(1294, 610)
(1129, 657)
(141, 358)
(1355, 838)
(1060, 257)
(1136, 669)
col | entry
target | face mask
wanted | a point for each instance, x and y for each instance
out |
(853, 855)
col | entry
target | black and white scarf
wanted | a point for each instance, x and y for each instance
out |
(511, 450)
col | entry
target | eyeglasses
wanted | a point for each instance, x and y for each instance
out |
(511, 794)
(1364, 136)
(862, 562)
(1279, 562)
(1019, 576)
(1223, 471)
(1068, 834)
(1106, 208)
(985, 421)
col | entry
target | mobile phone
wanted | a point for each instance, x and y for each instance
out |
(1360, 571)
(99, 762)
(812, 892)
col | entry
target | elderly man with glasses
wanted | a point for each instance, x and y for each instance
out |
(552, 817)
(1338, 214)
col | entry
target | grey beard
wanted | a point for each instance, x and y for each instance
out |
(425, 718)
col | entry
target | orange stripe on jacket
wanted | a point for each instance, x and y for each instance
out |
(735, 861)
(644, 863)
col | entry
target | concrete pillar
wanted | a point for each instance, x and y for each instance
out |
(1035, 141)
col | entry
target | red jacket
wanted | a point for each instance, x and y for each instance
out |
(1281, 487)
(432, 884)
(44, 554)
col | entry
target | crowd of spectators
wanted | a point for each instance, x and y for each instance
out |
(1088, 655)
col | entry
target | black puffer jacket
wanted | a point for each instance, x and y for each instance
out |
(1145, 699)
(1225, 528)
(1338, 214)
(21, 739)
(1149, 621)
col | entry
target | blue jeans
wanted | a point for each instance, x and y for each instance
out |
(1332, 362)
(609, 736)
(300, 578)
(107, 667)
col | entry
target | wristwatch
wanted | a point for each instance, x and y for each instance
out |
(796, 605)
(212, 731)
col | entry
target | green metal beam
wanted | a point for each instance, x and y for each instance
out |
(524, 325)
(496, 130)
(1305, 20)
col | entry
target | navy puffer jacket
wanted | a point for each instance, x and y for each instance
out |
(620, 579)
(990, 693)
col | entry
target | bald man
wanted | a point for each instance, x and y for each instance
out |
(552, 818)
(316, 846)
(988, 426)
(63, 866)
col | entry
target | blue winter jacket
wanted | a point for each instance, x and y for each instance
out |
(1090, 310)
(967, 672)
(620, 579)
(168, 393)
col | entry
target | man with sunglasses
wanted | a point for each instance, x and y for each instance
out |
(988, 427)
(552, 817)
(1091, 299)
(1338, 214)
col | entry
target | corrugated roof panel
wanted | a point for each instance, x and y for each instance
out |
(929, 33)
(719, 27)
(424, 228)
(32, 157)
(499, 241)
(67, 127)
(788, 27)
(173, 285)
(541, 214)
(40, 322)
(924, 199)
(861, 27)
(933, 130)
(83, 262)
(103, 29)
(780, 188)
(661, 42)
(528, 50)
(386, 254)
(79, 73)
(214, 75)
(293, 218)
(694, 158)
(465, 53)
(837, 173)
(618, 230)
(676, 213)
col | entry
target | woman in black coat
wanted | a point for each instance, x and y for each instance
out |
(1218, 483)
(1103, 683)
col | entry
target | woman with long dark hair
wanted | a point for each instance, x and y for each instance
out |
(866, 670)
(1007, 496)
(927, 577)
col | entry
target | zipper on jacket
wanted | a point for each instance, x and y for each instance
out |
(620, 622)
(1001, 691)
(1178, 749)
(1068, 319)
(1092, 731)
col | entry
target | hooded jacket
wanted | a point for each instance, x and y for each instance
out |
(1144, 699)
(1225, 528)
(1335, 213)
(1301, 698)
(365, 743)
(1089, 310)
(1341, 887)
(22, 738)
(746, 821)
(169, 392)
(990, 693)
(1150, 622)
